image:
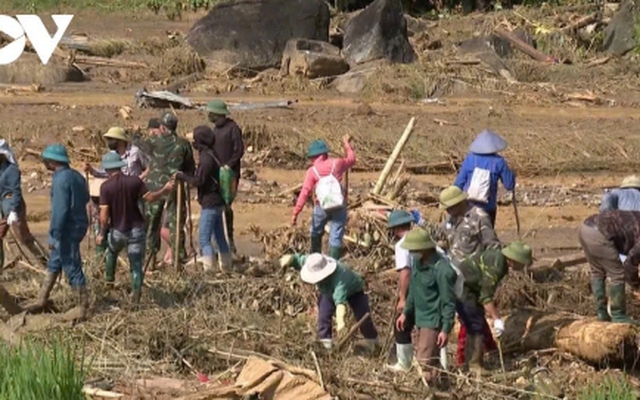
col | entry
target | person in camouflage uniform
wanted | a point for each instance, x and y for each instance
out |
(169, 154)
(465, 234)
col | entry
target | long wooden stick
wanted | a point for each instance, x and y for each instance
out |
(190, 225)
(176, 255)
(352, 332)
(393, 157)
(515, 211)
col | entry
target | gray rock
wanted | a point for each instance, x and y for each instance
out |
(253, 33)
(620, 35)
(312, 59)
(378, 31)
(355, 80)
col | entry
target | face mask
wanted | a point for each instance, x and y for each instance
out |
(416, 255)
(112, 144)
(213, 118)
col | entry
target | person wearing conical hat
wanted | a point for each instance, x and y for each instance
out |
(400, 223)
(229, 149)
(326, 173)
(68, 226)
(14, 208)
(481, 171)
(431, 300)
(483, 275)
(338, 286)
(625, 198)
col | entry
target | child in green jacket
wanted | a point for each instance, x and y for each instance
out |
(338, 286)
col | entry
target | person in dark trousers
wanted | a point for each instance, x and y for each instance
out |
(229, 149)
(210, 199)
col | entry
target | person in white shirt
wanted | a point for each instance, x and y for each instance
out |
(400, 222)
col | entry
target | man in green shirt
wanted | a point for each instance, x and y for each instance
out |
(431, 300)
(338, 285)
(482, 276)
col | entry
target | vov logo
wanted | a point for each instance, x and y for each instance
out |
(31, 27)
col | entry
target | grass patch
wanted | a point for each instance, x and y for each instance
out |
(609, 389)
(36, 371)
(173, 9)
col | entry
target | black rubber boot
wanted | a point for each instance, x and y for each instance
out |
(316, 244)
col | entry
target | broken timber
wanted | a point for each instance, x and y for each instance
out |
(384, 175)
(524, 47)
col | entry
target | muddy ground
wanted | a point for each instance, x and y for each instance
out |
(565, 154)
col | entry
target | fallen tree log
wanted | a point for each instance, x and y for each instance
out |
(586, 338)
(545, 267)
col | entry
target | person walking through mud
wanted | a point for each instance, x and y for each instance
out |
(68, 226)
(229, 149)
(465, 234)
(324, 177)
(400, 222)
(431, 301)
(210, 199)
(481, 170)
(169, 154)
(603, 238)
(338, 286)
(14, 208)
(483, 275)
(121, 221)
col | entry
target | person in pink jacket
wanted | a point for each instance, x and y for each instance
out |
(323, 166)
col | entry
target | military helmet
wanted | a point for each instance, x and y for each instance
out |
(418, 240)
(169, 120)
(399, 218)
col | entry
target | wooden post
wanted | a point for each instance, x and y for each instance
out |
(393, 157)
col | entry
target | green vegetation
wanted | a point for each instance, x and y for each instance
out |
(35, 371)
(609, 389)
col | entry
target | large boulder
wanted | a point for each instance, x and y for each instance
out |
(312, 59)
(252, 34)
(378, 31)
(620, 35)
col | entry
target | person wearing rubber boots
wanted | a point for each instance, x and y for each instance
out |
(481, 171)
(229, 149)
(211, 221)
(14, 208)
(603, 237)
(465, 234)
(338, 286)
(169, 154)
(68, 226)
(325, 177)
(400, 222)
(431, 300)
(483, 275)
(121, 221)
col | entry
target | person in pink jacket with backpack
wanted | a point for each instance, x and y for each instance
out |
(324, 177)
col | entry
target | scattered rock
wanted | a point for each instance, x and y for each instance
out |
(312, 59)
(620, 34)
(220, 35)
(356, 79)
(78, 129)
(482, 48)
(379, 31)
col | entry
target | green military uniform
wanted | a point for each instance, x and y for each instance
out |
(168, 154)
(483, 276)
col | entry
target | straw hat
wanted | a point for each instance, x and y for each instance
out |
(418, 240)
(452, 196)
(317, 268)
(632, 181)
(519, 252)
(94, 186)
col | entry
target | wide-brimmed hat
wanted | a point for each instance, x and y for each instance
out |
(117, 134)
(452, 196)
(519, 252)
(317, 267)
(94, 186)
(418, 240)
(316, 148)
(112, 160)
(218, 107)
(632, 181)
(488, 142)
(56, 152)
(399, 218)
(6, 151)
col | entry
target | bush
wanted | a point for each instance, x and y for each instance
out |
(33, 371)
(609, 389)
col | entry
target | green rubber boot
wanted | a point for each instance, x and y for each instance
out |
(316, 244)
(110, 261)
(136, 262)
(619, 305)
(335, 252)
(599, 292)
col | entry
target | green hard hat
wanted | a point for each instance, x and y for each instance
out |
(56, 152)
(418, 239)
(399, 218)
(519, 252)
(218, 107)
(316, 148)
(452, 196)
(169, 120)
(112, 160)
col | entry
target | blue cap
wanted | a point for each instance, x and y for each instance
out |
(56, 152)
